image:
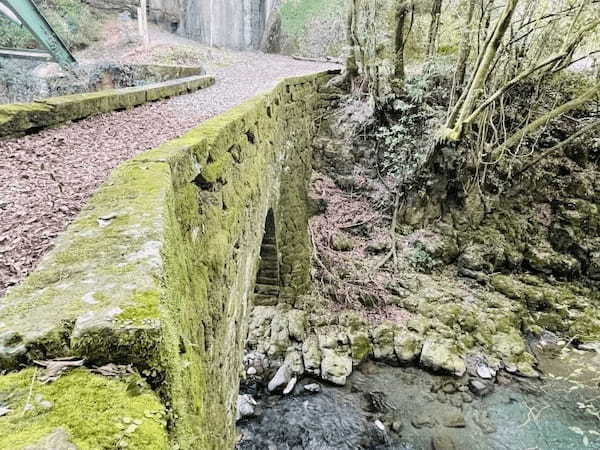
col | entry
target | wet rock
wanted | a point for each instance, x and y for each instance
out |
(485, 372)
(290, 386)
(292, 366)
(455, 419)
(480, 388)
(590, 347)
(407, 347)
(245, 407)
(313, 388)
(397, 426)
(383, 342)
(376, 402)
(443, 441)
(256, 363)
(424, 420)
(484, 422)
(335, 367)
(281, 379)
(441, 355)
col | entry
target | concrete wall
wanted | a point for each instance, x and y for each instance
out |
(158, 270)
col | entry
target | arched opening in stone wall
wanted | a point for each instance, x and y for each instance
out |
(266, 289)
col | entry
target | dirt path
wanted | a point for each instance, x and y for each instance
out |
(46, 178)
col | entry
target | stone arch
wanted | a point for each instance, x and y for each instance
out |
(267, 286)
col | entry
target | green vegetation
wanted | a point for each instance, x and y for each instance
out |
(95, 412)
(297, 14)
(75, 22)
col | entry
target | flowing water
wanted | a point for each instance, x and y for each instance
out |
(423, 411)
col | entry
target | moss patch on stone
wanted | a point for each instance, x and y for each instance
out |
(95, 412)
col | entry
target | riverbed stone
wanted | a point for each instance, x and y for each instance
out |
(335, 366)
(442, 355)
(383, 342)
(407, 347)
(360, 346)
(311, 354)
(296, 324)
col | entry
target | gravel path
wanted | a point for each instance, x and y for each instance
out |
(46, 178)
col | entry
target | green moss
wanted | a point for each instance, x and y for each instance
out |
(145, 306)
(179, 260)
(96, 412)
(297, 14)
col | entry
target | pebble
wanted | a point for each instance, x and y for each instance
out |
(379, 424)
(313, 388)
(251, 371)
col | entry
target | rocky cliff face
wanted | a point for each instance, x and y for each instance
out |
(226, 23)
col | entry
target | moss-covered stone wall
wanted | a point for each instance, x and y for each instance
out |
(18, 118)
(159, 268)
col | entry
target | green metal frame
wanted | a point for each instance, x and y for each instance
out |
(26, 13)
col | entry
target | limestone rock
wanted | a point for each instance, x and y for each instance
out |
(407, 347)
(281, 379)
(443, 441)
(441, 355)
(480, 388)
(296, 324)
(292, 366)
(360, 346)
(245, 407)
(335, 367)
(424, 420)
(313, 388)
(311, 354)
(383, 342)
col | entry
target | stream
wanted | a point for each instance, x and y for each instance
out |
(384, 407)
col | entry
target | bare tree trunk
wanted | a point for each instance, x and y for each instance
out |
(465, 48)
(455, 126)
(584, 98)
(436, 12)
(400, 39)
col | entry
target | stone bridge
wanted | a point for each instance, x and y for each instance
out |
(153, 281)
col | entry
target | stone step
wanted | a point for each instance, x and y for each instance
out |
(266, 289)
(265, 300)
(270, 281)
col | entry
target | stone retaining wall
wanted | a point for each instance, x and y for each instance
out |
(20, 118)
(157, 273)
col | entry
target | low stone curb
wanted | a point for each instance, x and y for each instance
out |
(19, 118)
